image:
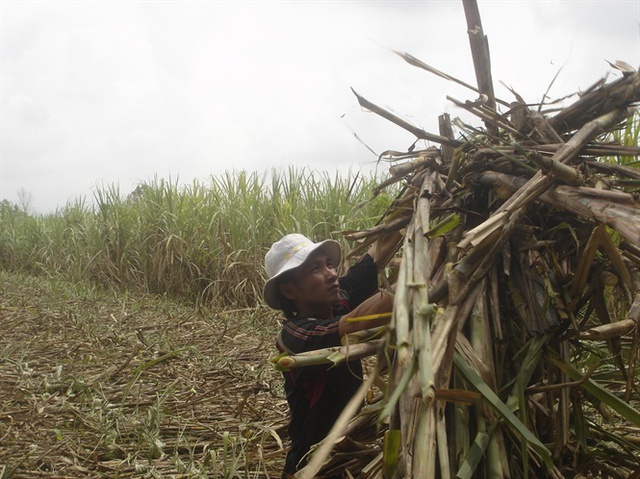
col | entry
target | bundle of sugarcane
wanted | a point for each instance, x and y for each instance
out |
(513, 343)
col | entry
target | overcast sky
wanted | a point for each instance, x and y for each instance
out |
(117, 92)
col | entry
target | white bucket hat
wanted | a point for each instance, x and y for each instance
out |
(289, 253)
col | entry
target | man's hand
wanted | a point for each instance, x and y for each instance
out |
(380, 302)
(383, 249)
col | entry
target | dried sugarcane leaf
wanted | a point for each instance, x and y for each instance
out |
(458, 396)
(608, 331)
(393, 224)
(480, 258)
(633, 358)
(624, 67)
(625, 218)
(411, 60)
(544, 300)
(489, 116)
(600, 101)
(364, 334)
(614, 342)
(487, 229)
(612, 168)
(581, 275)
(420, 159)
(417, 132)
(466, 351)
(149, 364)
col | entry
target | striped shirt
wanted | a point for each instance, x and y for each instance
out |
(317, 394)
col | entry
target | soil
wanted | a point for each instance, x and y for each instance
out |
(106, 384)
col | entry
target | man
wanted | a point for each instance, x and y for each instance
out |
(317, 303)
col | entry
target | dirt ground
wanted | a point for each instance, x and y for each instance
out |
(96, 384)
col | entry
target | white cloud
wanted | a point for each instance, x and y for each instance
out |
(122, 91)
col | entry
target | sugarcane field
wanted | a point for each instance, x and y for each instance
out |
(135, 342)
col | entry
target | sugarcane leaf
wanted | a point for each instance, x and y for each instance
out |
(501, 408)
(528, 364)
(164, 357)
(398, 390)
(443, 226)
(476, 453)
(369, 317)
(592, 387)
(580, 426)
(391, 450)
(363, 335)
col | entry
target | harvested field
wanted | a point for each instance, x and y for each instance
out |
(111, 385)
(512, 349)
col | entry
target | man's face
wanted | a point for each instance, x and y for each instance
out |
(314, 286)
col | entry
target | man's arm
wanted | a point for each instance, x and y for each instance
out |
(381, 302)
